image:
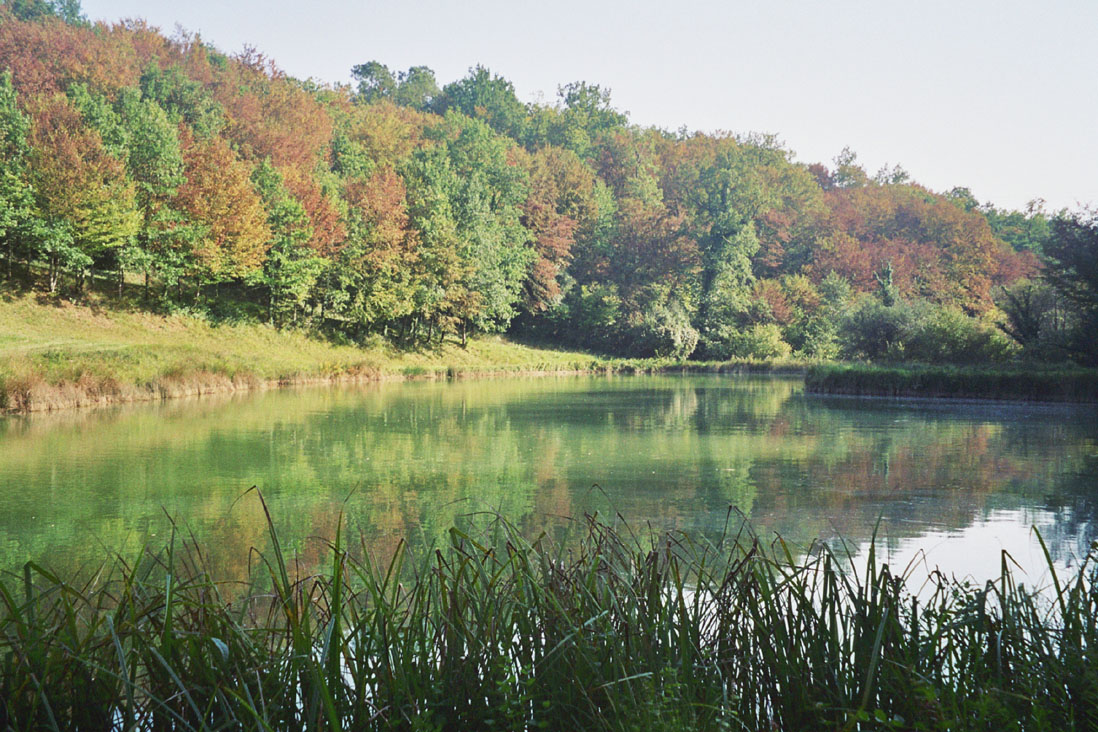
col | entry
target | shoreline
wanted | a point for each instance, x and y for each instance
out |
(40, 396)
(1063, 385)
(35, 395)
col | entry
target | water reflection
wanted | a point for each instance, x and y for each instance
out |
(411, 460)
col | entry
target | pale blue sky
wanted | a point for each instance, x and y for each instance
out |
(997, 95)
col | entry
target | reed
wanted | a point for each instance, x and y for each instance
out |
(1070, 384)
(660, 631)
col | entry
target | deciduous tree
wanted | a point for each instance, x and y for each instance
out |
(83, 193)
(231, 235)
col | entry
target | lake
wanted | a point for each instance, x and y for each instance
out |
(959, 482)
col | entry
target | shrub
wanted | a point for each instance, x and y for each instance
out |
(922, 332)
(759, 341)
(944, 335)
(874, 331)
(665, 332)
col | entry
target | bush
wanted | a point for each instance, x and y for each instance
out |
(923, 332)
(875, 331)
(943, 335)
(813, 337)
(665, 332)
(759, 341)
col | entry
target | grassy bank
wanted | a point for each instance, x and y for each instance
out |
(1011, 382)
(58, 355)
(492, 632)
(54, 354)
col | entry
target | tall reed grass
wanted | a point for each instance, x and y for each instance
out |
(1057, 384)
(494, 632)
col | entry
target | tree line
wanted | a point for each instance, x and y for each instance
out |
(399, 208)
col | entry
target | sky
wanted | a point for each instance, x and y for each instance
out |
(1000, 96)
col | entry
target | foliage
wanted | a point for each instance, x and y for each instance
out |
(415, 88)
(1073, 255)
(665, 332)
(290, 268)
(921, 332)
(1036, 318)
(17, 212)
(1073, 250)
(758, 342)
(432, 213)
(487, 97)
(85, 201)
(231, 232)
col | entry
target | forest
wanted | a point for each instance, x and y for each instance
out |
(168, 175)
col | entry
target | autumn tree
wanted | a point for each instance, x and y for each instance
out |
(374, 136)
(325, 221)
(373, 282)
(46, 55)
(270, 116)
(937, 250)
(228, 235)
(84, 197)
(559, 203)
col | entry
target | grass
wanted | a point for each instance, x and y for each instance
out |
(1031, 383)
(55, 354)
(617, 632)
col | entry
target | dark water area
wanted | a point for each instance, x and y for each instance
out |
(955, 482)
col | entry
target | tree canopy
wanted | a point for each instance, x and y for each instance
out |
(411, 209)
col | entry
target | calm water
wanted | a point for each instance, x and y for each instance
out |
(957, 481)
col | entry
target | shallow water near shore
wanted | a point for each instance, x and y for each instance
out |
(953, 484)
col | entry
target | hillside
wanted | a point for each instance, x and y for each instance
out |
(415, 212)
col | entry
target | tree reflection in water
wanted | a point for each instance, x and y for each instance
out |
(412, 460)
